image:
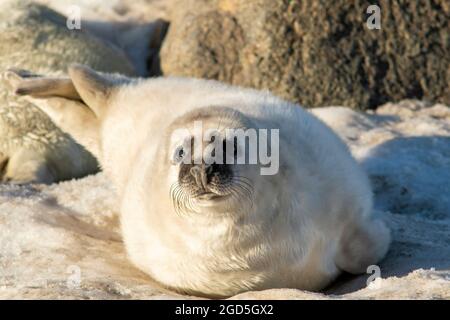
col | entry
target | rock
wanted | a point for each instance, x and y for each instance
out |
(315, 53)
(34, 37)
(37, 38)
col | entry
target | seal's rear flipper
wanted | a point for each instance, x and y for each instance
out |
(58, 98)
(361, 245)
(94, 88)
(27, 83)
(76, 103)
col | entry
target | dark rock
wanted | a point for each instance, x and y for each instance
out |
(315, 52)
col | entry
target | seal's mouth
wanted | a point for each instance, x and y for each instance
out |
(210, 196)
(212, 186)
(234, 195)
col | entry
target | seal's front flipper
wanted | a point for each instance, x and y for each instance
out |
(362, 244)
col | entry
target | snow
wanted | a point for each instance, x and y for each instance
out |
(63, 240)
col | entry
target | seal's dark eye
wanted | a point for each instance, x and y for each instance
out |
(179, 154)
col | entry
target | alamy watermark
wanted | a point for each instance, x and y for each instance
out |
(236, 146)
(73, 21)
(374, 20)
(375, 272)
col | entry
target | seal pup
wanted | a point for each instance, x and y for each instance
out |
(211, 229)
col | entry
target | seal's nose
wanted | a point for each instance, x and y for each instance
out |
(199, 174)
(202, 174)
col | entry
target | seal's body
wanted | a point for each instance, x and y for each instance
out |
(217, 229)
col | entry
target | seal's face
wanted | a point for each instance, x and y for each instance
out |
(205, 180)
(205, 174)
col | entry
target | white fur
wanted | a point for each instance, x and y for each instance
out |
(308, 223)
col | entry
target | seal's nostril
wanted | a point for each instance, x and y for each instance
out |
(199, 176)
(194, 171)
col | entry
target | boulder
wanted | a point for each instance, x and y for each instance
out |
(315, 52)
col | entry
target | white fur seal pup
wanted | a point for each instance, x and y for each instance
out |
(215, 229)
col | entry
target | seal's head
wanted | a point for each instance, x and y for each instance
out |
(209, 169)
